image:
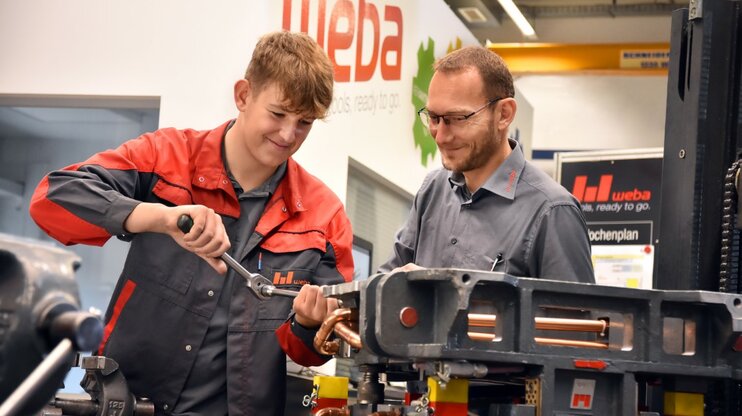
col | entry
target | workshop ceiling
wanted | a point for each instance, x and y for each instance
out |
(485, 17)
(594, 8)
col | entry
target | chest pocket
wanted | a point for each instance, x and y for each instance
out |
(290, 260)
(292, 242)
(171, 193)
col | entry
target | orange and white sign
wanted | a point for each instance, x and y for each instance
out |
(583, 391)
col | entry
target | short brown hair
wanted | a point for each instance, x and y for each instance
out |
(498, 81)
(299, 67)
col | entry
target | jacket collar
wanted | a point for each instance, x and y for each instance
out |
(209, 172)
(290, 189)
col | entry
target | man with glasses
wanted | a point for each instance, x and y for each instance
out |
(488, 208)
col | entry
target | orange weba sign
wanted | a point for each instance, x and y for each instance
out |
(338, 28)
(601, 193)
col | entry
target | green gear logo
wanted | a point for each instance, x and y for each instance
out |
(420, 83)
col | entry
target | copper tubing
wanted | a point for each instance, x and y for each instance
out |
(332, 411)
(556, 324)
(345, 332)
(563, 324)
(335, 322)
(482, 320)
(329, 325)
(570, 343)
(481, 336)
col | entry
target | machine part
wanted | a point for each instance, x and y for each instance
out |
(422, 404)
(542, 323)
(730, 226)
(685, 404)
(108, 391)
(408, 317)
(562, 324)
(570, 343)
(511, 410)
(370, 390)
(446, 370)
(310, 400)
(333, 411)
(696, 9)
(451, 398)
(533, 393)
(481, 336)
(39, 312)
(259, 284)
(59, 358)
(330, 392)
(334, 323)
(612, 336)
(704, 117)
(556, 324)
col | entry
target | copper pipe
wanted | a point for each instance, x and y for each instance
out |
(394, 412)
(482, 320)
(344, 331)
(556, 324)
(481, 336)
(570, 343)
(564, 324)
(321, 342)
(332, 411)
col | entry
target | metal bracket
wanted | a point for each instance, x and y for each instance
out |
(695, 9)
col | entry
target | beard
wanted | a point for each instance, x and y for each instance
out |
(481, 151)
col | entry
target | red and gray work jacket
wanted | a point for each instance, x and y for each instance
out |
(165, 297)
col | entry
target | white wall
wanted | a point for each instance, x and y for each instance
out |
(190, 52)
(596, 111)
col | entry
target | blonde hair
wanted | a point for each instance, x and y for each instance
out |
(498, 81)
(298, 66)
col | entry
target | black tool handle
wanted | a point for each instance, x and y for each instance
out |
(185, 223)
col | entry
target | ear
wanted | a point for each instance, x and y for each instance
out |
(242, 93)
(508, 107)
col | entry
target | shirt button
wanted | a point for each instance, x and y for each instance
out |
(188, 347)
(224, 181)
(283, 209)
(211, 293)
(201, 179)
(165, 407)
(454, 240)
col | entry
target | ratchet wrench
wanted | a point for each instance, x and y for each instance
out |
(258, 283)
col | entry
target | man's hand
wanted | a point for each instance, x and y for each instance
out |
(311, 307)
(407, 268)
(207, 238)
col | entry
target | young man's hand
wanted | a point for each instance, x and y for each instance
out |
(311, 307)
(207, 238)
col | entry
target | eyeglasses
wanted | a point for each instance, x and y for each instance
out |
(453, 120)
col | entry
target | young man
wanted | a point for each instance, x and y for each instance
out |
(192, 339)
(488, 209)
